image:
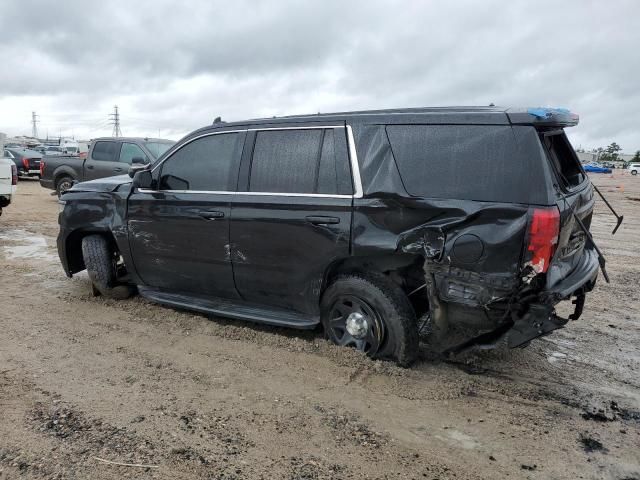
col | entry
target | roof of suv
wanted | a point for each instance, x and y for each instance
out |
(490, 115)
(132, 139)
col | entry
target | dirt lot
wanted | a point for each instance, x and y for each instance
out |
(84, 379)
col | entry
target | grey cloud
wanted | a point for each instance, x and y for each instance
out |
(175, 66)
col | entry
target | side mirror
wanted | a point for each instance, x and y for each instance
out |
(139, 161)
(142, 179)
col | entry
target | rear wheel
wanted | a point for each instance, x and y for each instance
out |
(370, 313)
(63, 184)
(634, 172)
(102, 266)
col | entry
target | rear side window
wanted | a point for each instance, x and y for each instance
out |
(563, 159)
(206, 164)
(468, 162)
(105, 151)
(301, 161)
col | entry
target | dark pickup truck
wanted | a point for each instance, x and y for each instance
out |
(107, 157)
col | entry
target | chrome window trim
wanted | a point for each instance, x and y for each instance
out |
(353, 158)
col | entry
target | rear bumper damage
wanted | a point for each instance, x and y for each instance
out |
(513, 315)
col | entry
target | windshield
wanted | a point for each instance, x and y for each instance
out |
(158, 148)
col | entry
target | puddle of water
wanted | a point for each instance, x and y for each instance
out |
(25, 246)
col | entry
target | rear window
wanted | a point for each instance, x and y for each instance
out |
(105, 151)
(563, 158)
(467, 162)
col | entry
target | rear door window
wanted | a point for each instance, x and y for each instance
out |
(468, 162)
(105, 152)
(205, 164)
(305, 161)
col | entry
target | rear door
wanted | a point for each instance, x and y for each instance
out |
(103, 161)
(292, 217)
(179, 232)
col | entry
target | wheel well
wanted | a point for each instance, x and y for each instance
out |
(59, 177)
(404, 270)
(74, 248)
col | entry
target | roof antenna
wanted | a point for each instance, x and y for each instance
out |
(218, 120)
(492, 104)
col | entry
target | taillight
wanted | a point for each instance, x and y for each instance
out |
(543, 237)
(25, 163)
(14, 174)
(42, 168)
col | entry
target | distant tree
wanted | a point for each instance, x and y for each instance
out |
(636, 157)
(610, 154)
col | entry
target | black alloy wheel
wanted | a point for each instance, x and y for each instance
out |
(354, 323)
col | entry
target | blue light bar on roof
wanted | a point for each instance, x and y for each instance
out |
(545, 112)
(543, 116)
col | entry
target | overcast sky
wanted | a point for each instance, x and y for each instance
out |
(172, 67)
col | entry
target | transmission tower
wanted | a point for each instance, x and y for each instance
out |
(114, 118)
(34, 125)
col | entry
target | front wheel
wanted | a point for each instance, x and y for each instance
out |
(372, 314)
(634, 172)
(102, 267)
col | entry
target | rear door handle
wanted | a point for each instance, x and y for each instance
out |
(322, 220)
(117, 169)
(90, 167)
(213, 215)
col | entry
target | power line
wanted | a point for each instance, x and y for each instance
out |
(115, 120)
(34, 125)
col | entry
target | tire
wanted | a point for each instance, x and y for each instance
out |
(100, 261)
(392, 331)
(634, 172)
(63, 184)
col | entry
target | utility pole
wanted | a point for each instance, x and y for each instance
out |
(115, 121)
(34, 125)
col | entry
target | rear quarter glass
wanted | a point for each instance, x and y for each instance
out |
(488, 163)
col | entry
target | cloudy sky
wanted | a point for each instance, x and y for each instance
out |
(172, 67)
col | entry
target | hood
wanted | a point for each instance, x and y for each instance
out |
(107, 184)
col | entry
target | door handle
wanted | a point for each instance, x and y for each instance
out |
(322, 220)
(211, 215)
(90, 167)
(117, 169)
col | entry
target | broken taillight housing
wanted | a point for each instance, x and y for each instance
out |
(25, 164)
(14, 174)
(543, 237)
(41, 168)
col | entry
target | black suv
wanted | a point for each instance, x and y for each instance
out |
(469, 223)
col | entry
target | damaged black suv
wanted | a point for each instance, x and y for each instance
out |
(469, 223)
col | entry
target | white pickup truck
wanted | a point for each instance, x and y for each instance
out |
(8, 181)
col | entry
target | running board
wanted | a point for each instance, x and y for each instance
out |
(232, 309)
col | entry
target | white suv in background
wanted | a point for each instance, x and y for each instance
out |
(634, 168)
(8, 180)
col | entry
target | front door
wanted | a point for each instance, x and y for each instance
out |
(179, 231)
(294, 219)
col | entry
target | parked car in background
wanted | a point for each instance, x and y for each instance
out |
(27, 161)
(596, 168)
(363, 222)
(106, 157)
(634, 168)
(8, 181)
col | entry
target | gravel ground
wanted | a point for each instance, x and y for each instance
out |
(85, 381)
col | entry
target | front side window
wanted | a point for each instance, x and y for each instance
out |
(205, 164)
(105, 151)
(129, 151)
(301, 161)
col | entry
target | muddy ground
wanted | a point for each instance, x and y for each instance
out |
(85, 380)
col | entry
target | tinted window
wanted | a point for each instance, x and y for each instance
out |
(470, 162)
(564, 159)
(300, 161)
(105, 151)
(158, 148)
(207, 163)
(129, 151)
